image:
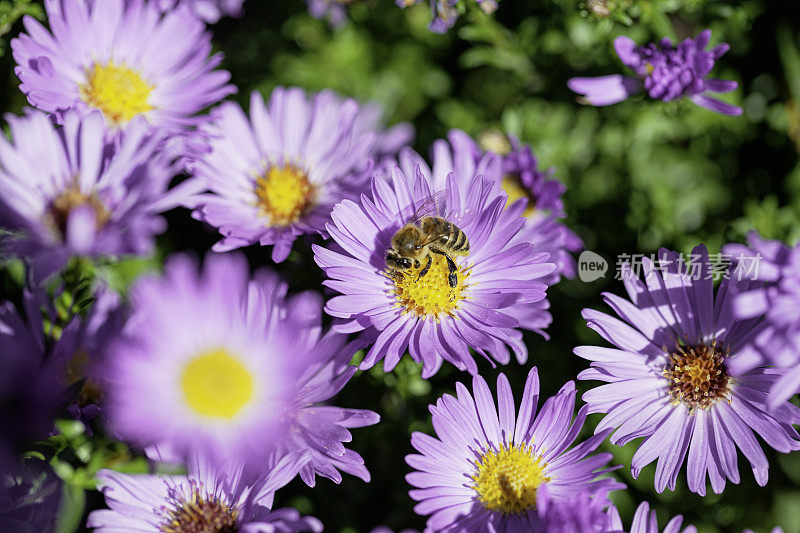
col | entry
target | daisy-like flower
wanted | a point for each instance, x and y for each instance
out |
(666, 72)
(488, 466)
(646, 521)
(514, 167)
(199, 366)
(122, 57)
(668, 377)
(212, 497)
(776, 297)
(209, 11)
(83, 196)
(277, 174)
(314, 427)
(441, 306)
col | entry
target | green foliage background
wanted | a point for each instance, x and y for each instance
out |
(640, 175)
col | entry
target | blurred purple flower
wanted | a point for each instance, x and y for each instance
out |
(209, 11)
(486, 470)
(213, 496)
(315, 428)
(85, 197)
(583, 512)
(277, 174)
(646, 521)
(204, 362)
(668, 379)
(124, 58)
(334, 11)
(432, 319)
(665, 71)
(30, 494)
(777, 298)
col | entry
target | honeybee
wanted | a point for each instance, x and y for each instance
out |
(427, 233)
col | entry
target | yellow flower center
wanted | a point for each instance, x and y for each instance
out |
(507, 480)
(60, 209)
(697, 375)
(217, 384)
(284, 194)
(430, 294)
(515, 191)
(116, 90)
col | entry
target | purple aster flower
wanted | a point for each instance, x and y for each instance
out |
(776, 297)
(211, 497)
(514, 167)
(668, 379)
(84, 197)
(201, 364)
(442, 308)
(665, 71)
(314, 427)
(29, 498)
(486, 469)
(31, 389)
(278, 174)
(209, 11)
(122, 57)
(646, 521)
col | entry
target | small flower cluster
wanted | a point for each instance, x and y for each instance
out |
(227, 373)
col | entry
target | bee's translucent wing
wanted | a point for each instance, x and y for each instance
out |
(434, 206)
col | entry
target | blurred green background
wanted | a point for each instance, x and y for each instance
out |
(640, 175)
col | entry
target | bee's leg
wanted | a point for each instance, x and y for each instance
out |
(452, 277)
(427, 266)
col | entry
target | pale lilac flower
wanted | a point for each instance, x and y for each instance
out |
(67, 191)
(433, 319)
(124, 58)
(668, 377)
(209, 11)
(201, 365)
(213, 496)
(276, 174)
(665, 71)
(776, 297)
(488, 466)
(315, 427)
(444, 13)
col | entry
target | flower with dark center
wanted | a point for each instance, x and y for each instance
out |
(69, 191)
(665, 71)
(214, 497)
(668, 379)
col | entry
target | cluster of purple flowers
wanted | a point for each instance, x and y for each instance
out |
(230, 375)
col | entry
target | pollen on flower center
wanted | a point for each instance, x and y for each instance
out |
(284, 194)
(217, 384)
(430, 294)
(116, 90)
(507, 480)
(198, 514)
(697, 375)
(515, 191)
(72, 198)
